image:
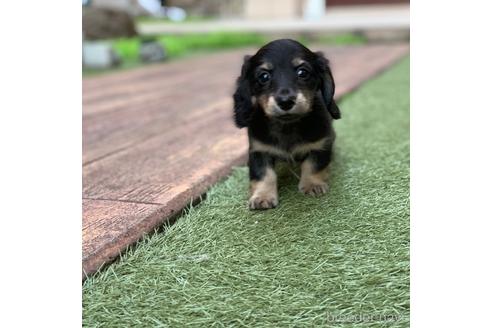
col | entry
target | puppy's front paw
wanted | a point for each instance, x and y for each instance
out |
(263, 202)
(313, 188)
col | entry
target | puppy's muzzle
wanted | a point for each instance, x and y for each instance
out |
(286, 99)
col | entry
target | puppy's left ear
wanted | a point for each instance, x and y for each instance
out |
(243, 106)
(327, 85)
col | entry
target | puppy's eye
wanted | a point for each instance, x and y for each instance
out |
(302, 73)
(264, 77)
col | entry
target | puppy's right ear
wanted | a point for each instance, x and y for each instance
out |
(243, 106)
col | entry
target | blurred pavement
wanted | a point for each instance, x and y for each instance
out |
(338, 19)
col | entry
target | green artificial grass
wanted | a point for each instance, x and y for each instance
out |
(340, 260)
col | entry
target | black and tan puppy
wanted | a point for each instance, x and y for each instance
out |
(284, 97)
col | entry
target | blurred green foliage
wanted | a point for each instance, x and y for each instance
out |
(180, 45)
(185, 45)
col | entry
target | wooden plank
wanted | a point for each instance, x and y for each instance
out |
(147, 156)
(137, 121)
(154, 170)
(108, 226)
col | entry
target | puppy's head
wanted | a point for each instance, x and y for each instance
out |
(282, 79)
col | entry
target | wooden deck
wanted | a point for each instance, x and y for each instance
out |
(156, 138)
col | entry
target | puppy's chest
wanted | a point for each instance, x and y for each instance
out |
(288, 144)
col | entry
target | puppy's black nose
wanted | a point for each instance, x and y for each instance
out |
(286, 99)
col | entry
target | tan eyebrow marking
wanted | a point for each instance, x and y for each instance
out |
(298, 61)
(266, 66)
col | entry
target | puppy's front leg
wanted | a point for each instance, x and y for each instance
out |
(314, 172)
(263, 181)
